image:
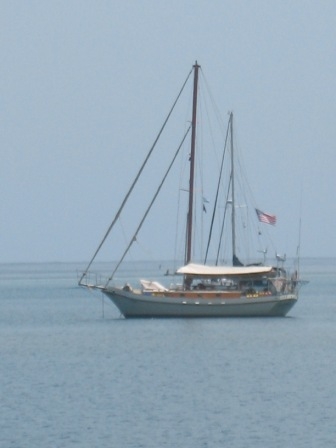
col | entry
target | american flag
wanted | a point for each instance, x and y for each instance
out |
(266, 218)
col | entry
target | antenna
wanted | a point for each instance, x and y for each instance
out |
(263, 252)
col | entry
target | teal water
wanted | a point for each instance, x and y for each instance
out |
(75, 374)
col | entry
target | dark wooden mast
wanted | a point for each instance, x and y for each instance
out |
(188, 254)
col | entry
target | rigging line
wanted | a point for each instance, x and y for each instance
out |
(148, 209)
(298, 249)
(204, 101)
(177, 226)
(242, 178)
(135, 180)
(214, 105)
(217, 193)
(180, 239)
(222, 230)
(199, 182)
(123, 231)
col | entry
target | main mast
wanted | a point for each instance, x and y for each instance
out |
(188, 254)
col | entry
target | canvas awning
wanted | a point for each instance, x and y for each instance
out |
(221, 271)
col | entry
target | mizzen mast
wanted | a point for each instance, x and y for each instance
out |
(233, 211)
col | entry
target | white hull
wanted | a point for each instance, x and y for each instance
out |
(133, 305)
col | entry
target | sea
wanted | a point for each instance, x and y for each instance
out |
(75, 373)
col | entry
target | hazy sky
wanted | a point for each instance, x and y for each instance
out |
(85, 86)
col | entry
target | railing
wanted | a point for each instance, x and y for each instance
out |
(91, 279)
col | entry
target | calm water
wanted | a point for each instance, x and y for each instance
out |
(75, 374)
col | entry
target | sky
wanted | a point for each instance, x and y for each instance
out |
(86, 85)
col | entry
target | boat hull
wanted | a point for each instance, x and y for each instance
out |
(133, 305)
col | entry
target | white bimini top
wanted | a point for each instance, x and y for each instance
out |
(219, 271)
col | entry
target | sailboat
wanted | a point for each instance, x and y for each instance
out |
(206, 289)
